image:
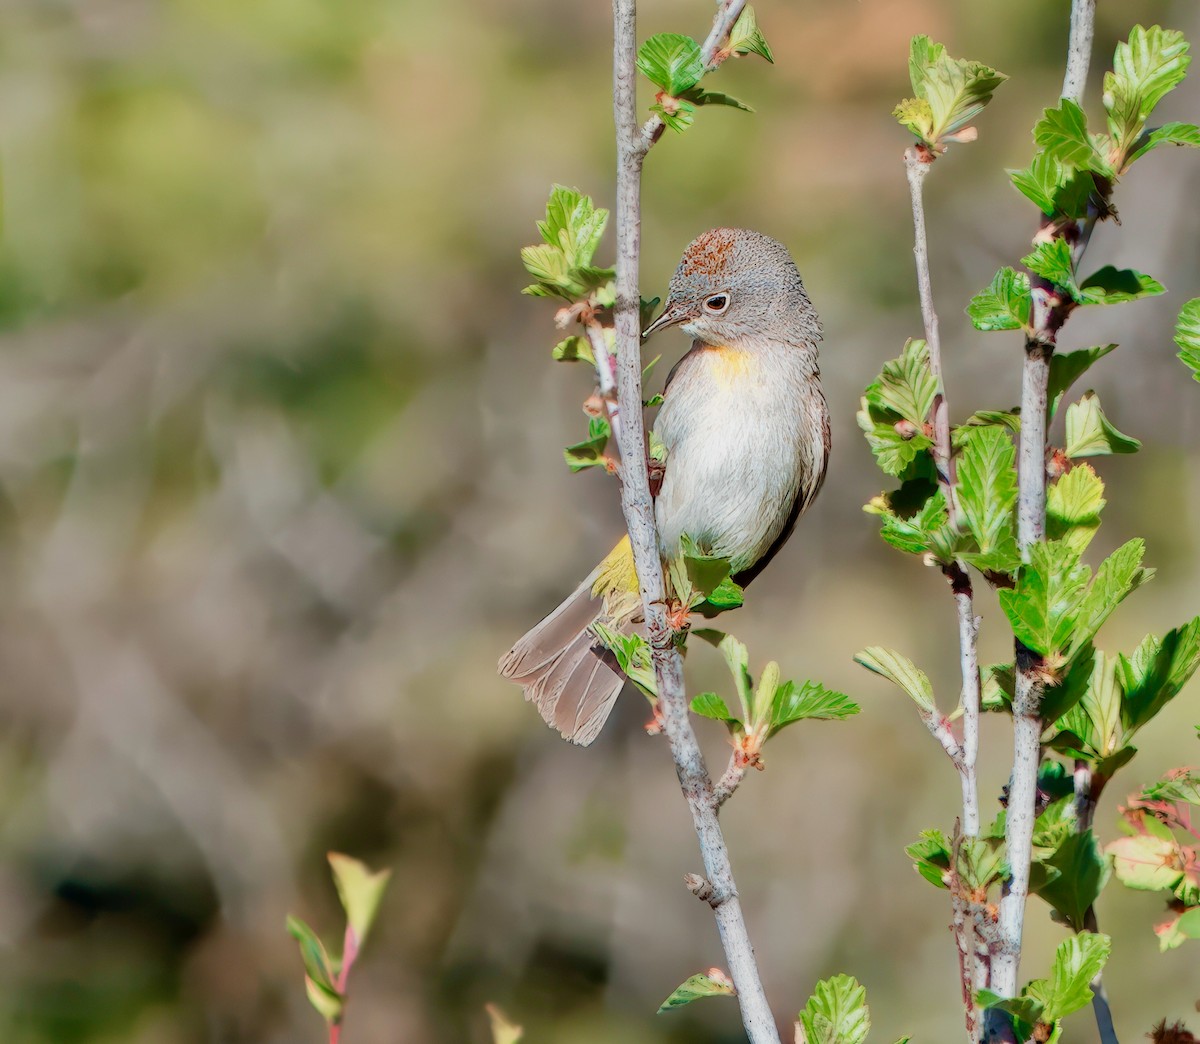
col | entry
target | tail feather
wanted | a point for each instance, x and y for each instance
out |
(566, 673)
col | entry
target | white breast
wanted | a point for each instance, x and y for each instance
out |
(744, 432)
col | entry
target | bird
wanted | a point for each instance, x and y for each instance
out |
(745, 429)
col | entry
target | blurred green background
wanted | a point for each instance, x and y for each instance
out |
(280, 478)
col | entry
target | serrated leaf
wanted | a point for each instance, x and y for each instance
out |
(1146, 863)
(1004, 305)
(1118, 575)
(1186, 134)
(1077, 961)
(1062, 133)
(918, 533)
(1066, 368)
(987, 494)
(1091, 434)
(573, 225)
(980, 863)
(1112, 285)
(1073, 506)
(746, 38)
(1052, 261)
(1079, 873)
(790, 704)
(1157, 671)
(1091, 728)
(901, 671)
(1057, 190)
(916, 116)
(931, 856)
(1044, 605)
(956, 90)
(1182, 785)
(906, 386)
(728, 594)
(1027, 1011)
(1145, 69)
(706, 572)
(693, 988)
(679, 114)
(837, 1012)
(359, 890)
(1187, 336)
(590, 452)
(671, 62)
(710, 705)
(633, 655)
(737, 659)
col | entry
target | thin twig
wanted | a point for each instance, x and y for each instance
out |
(917, 161)
(639, 517)
(1048, 314)
(713, 55)
(732, 778)
(606, 375)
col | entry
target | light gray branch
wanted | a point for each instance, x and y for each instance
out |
(606, 375)
(1047, 316)
(639, 517)
(728, 12)
(1079, 49)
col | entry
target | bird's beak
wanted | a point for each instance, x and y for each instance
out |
(671, 314)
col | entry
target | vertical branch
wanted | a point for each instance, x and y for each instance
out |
(638, 507)
(917, 161)
(1048, 314)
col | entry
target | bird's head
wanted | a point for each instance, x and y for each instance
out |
(733, 286)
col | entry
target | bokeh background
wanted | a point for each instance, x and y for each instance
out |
(280, 478)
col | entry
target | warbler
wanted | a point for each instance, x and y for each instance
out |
(745, 428)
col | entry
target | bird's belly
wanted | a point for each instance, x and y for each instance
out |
(733, 468)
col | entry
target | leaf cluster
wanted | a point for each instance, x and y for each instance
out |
(948, 94)
(561, 264)
(360, 892)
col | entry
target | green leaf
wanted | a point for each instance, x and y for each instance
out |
(590, 452)
(1182, 785)
(1057, 190)
(671, 62)
(1028, 1011)
(1004, 305)
(706, 572)
(1052, 261)
(987, 493)
(1118, 575)
(1146, 863)
(1077, 961)
(359, 890)
(746, 38)
(737, 659)
(678, 114)
(920, 533)
(931, 856)
(900, 670)
(574, 225)
(710, 705)
(1157, 671)
(1062, 133)
(837, 1012)
(1066, 368)
(906, 386)
(574, 349)
(1077, 874)
(897, 445)
(1187, 134)
(698, 96)
(1073, 506)
(811, 700)
(980, 863)
(728, 594)
(694, 988)
(1091, 434)
(1089, 713)
(1043, 606)
(954, 89)
(1145, 69)
(318, 971)
(1112, 285)
(317, 965)
(633, 655)
(1187, 336)
(1189, 923)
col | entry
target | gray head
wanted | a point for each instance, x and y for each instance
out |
(733, 285)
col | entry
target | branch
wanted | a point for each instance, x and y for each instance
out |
(917, 161)
(638, 508)
(1048, 315)
(606, 375)
(728, 12)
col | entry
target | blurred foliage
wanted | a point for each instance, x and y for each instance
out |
(275, 492)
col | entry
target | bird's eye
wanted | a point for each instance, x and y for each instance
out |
(717, 304)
